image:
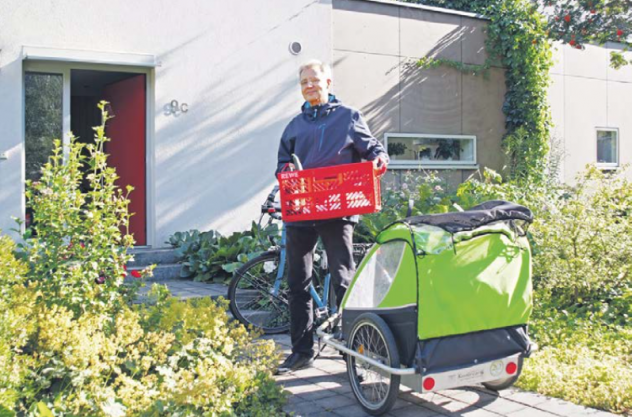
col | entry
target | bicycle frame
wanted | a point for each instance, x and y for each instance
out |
(321, 303)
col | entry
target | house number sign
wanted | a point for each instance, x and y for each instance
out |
(175, 107)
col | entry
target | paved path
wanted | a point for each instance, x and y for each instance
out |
(324, 391)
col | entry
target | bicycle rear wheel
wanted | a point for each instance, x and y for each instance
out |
(251, 295)
(375, 390)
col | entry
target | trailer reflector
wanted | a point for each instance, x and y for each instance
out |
(429, 384)
(511, 368)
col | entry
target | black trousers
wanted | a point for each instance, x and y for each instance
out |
(337, 237)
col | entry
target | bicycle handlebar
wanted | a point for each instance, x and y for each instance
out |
(270, 207)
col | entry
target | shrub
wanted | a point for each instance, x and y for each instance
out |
(77, 240)
(171, 358)
(580, 360)
(72, 344)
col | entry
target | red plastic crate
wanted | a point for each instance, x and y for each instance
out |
(330, 192)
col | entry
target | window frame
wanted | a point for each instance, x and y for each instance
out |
(412, 164)
(607, 165)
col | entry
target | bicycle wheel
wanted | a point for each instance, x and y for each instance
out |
(251, 298)
(375, 390)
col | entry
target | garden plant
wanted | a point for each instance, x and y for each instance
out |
(71, 341)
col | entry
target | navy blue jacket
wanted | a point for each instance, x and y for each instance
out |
(326, 135)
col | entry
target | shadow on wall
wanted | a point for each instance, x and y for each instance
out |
(214, 164)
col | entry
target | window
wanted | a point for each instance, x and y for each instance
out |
(409, 150)
(43, 119)
(607, 148)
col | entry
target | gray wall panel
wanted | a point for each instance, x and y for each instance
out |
(430, 100)
(365, 27)
(424, 33)
(473, 41)
(483, 116)
(370, 83)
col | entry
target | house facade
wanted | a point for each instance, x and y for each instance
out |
(202, 90)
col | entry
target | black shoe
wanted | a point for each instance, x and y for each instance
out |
(294, 362)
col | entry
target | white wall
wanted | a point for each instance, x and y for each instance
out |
(587, 93)
(228, 60)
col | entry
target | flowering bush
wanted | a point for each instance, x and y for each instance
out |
(80, 221)
(71, 343)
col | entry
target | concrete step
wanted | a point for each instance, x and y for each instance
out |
(185, 289)
(148, 256)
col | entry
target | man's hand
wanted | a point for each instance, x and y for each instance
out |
(380, 163)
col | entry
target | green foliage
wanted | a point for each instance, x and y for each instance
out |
(429, 194)
(209, 256)
(577, 23)
(580, 360)
(72, 344)
(172, 358)
(517, 36)
(76, 250)
(474, 69)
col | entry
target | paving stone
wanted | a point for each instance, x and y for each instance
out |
(317, 394)
(413, 411)
(305, 409)
(351, 411)
(503, 406)
(469, 396)
(334, 403)
(444, 405)
(477, 412)
(524, 397)
(567, 409)
(530, 412)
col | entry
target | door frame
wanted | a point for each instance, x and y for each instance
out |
(64, 68)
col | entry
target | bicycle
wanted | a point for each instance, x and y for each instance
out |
(258, 292)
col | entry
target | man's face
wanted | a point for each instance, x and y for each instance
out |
(315, 86)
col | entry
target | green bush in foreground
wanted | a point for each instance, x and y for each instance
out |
(71, 343)
(580, 360)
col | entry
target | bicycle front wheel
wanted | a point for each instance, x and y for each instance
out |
(253, 299)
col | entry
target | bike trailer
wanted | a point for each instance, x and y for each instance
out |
(440, 301)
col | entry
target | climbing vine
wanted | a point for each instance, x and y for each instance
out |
(517, 36)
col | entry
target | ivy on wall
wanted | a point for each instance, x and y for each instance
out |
(517, 39)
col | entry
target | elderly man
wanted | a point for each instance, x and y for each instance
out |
(325, 133)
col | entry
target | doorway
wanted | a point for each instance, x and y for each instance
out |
(78, 88)
(126, 94)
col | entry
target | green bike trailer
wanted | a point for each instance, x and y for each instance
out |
(440, 301)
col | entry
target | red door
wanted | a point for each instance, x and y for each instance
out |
(126, 130)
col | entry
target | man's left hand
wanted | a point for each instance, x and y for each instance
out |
(380, 163)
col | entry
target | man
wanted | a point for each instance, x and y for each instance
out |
(326, 133)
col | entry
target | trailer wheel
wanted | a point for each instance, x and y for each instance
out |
(504, 383)
(375, 390)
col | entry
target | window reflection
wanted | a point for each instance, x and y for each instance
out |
(43, 122)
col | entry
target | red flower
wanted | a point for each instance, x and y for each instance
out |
(100, 280)
(136, 274)
(557, 18)
(572, 42)
(567, 18)
(82, 244)
(593, 11)
(619, 33)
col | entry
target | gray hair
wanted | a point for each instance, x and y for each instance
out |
(320, 65)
